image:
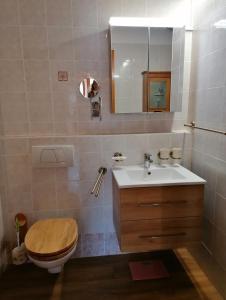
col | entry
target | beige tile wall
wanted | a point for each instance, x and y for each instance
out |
(4, 238)
(208, 108)
(38, 39)
(52, 192)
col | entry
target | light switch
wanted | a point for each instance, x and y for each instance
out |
(62, 76)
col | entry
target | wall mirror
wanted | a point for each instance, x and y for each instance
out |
(89, 88)
(147, 66)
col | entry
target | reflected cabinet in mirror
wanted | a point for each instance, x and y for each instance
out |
(147, 69)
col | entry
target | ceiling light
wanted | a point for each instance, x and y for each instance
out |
(220, 24)
(145, 22)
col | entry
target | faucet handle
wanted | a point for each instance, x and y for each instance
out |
(147, 156)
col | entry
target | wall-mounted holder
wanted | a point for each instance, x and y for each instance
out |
(118, 157)
(194, 126)
(96, 106)
(89, 89)
(97, 185)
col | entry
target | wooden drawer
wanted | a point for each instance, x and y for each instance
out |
(155, 218)
(161, 202)
(147, 235)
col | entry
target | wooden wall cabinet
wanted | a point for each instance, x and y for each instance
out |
(157, 218)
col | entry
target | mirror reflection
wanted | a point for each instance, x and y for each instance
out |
(89, 88)
(147, 69)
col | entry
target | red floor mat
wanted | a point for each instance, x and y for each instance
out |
(150, 269)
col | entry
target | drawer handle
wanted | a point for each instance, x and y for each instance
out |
(141, 204)
(154, 237)
(149, 204)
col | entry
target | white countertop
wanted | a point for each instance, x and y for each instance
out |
(137, 176)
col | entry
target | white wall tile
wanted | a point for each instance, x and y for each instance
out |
(40, 38)
(9, 12)
(34, 40)
(32, 12)
(10, 43)
(12, 76)
(59, 12)
(87, 8)
(208, 80)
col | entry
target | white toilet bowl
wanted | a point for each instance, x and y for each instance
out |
(53, 266)
(50, 243)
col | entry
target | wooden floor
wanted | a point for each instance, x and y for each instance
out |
(203, 271)
(212, 270)
(102, 278)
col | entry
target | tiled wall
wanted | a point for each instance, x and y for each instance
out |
(2, 229)
(4, 245)
(64, 192)
(208, 99)
(180, 69)
(3, 210)
(38, 39)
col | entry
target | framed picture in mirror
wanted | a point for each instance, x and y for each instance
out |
(156, 91)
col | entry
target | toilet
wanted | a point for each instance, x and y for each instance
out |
(51, 242)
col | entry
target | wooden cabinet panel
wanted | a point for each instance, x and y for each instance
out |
(160, 194)
(157, 218)
(161, 202)
(159, 234)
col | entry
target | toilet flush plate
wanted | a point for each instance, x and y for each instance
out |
(48, 156)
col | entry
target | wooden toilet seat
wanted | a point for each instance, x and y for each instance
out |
(52, 238)
(52, 257)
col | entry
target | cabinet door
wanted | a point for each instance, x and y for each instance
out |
(161, 202)
(157, 234)
(129, 59)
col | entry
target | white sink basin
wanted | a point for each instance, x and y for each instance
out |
(154, 174)
(136, 176)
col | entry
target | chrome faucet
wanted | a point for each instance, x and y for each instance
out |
(147, 160)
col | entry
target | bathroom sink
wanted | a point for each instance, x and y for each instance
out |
(154, 174)
(137, 176)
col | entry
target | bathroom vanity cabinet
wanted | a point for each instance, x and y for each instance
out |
(158, 217)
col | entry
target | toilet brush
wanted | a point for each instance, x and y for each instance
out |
(19, 252)
(17, 232)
